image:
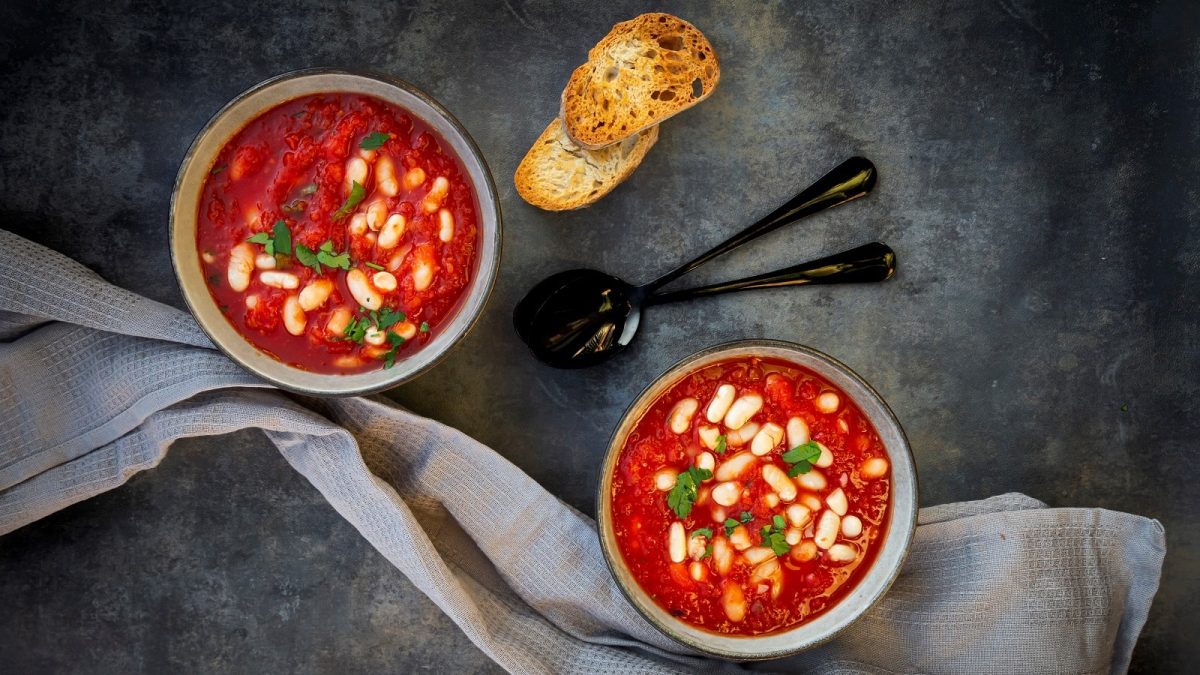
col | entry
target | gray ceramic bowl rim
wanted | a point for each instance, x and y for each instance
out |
(872, 587)
(246, 107)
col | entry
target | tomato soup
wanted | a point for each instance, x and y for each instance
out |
(750, 497)
(337, 233)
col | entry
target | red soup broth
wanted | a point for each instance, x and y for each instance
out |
(760, 551)
(361, 190)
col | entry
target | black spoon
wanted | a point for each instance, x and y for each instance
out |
(582, 317)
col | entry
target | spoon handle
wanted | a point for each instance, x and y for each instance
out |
(848, 181)
(867, 263)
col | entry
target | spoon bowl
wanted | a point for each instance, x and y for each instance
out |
(576, 318)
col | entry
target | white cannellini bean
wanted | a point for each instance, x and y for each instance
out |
(851, 526)
(727, 494)
(722, 555)
(826, 458)
(677, 542)
(362, 291)
(745, 407)
(756, 554)
(875, 467)
(265, 262)
(276, 279)
(735, 466)
(356, 172)
(766, 439)
(208, 257)
(405, 329)
(734, 601)
(765, 570)
(793, 536)
(251, 301)
(719, 405)
(779, 482)
(696, 545)
(813, 480)
(806, 551)
(739, 539)
(828, 526)
(315, 293)
(837, 502)
(241, 266)
(709, 436)
(347, 361)
(771, 500)
(422, 274)
(811, 502)
(294, 319)
(414, 178)
(698, 571)
(664, 479)
(798, 514)
(384, 281)
(843, 553)
(385, 177)
(375, 337)
(706, 460)
(393, 229)
(377, 215)
(828, 402)
(680, 417)
(397, 260)
(736, 439)
(797, 432)
(719, 513)
(358, 224)
(368, 155)
(445, 225)
(338, 321)
(437, 192)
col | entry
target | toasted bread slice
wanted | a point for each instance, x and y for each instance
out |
(644, 71)
(558, 175)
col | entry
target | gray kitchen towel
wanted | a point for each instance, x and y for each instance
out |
(97, 382)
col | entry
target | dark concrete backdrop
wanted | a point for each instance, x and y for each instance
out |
(1039, 166)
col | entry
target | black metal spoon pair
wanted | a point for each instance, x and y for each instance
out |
(581, 317)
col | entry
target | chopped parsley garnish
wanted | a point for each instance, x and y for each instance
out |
(357, 194)
(707, 552)
(374, 141)
(683, 495)
(704, 531)
(801, 457)
(424, 327)
(261, 238)
(278, 242)
(730, 526)
(325, 255)
(389, 359)
(375, 267)
(773, 536)
(722, 444)
(217, 170)
(356, 330)
(746, 516)
(308, 257)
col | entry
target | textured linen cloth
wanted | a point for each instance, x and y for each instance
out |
(97, 382)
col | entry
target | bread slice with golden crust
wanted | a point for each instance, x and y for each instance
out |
(558, 175)
(644, 71)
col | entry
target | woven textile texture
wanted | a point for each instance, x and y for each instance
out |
(97, 382)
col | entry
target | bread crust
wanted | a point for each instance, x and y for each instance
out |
(644, 71)
(558, 175)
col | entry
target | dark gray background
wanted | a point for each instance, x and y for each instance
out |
(1039, 183)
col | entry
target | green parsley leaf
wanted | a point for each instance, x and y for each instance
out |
(707, 552)
(777, 521)
(308, 258)
(328, 258)
(722, 444)
(260, 238)
(375, 267)
(389, 359)
(374, 141)
(388, 317)
(799, 468)
(730, 526)
(356, 330)
(704, 531)
(765, 531)
(778, 543)
(746, 516)
(424, 328)
(357, 194)
(683, 495)
(283, 239)
(808, 452)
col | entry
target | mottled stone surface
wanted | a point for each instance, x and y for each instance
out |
(1039, 166)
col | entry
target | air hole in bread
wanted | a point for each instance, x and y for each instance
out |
(671, 42)
(611, 73)
(697, 88)
(667, 95)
